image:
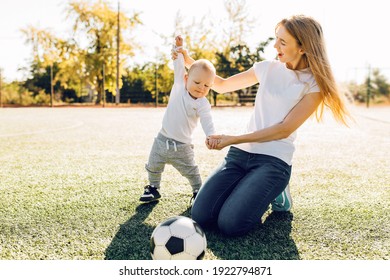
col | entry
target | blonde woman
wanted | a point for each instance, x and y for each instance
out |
(257, 167)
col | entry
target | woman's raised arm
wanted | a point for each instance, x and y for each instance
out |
(241, 80)
(221, 85)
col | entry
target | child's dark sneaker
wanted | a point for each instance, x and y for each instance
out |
(151, 193)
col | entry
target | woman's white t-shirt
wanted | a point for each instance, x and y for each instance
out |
(280, 89)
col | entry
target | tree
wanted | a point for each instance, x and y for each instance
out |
(159, 78)
(78, 62)
(227, 49)
(96, 26)
(200, 38)
(44, 60)
(133, 89)
(237, 25)
(72, 67)
(43, 45)
(237, 59)
(374, 88)
(381, 86)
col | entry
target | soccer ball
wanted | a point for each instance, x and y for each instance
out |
(178, 238)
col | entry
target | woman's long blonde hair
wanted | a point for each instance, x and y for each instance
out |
(309, 36)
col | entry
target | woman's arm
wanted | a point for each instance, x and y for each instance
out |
(241, 80)
(297, 116)
(188, 60)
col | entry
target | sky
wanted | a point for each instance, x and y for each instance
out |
(355, 30)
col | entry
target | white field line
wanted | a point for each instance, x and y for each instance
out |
(44, 131)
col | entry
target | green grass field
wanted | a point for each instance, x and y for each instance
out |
(70, 180)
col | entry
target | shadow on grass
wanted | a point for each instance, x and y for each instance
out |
(131, 242)
(270, 240)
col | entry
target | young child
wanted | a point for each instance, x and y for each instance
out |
(187, 105)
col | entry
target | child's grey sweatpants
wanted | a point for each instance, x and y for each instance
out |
(179, 155)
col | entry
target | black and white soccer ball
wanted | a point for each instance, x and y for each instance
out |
(178, 238)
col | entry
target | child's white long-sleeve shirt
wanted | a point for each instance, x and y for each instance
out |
(183, 112)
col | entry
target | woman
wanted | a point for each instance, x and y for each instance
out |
(257, 167)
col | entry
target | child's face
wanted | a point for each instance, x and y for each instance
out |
(199, 82)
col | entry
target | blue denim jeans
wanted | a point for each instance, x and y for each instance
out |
(238, 193)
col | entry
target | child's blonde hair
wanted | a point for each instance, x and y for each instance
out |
(204, 64)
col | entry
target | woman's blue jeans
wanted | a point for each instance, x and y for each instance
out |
(238, 193)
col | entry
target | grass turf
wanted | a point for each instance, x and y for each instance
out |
(71, 178)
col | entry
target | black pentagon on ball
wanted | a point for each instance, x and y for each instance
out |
(175, 245)
(201, 256)
(169, 221)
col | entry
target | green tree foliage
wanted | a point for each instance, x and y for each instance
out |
(381, 86)
(47, 55)
(143, 82)
(227, 49)
(97, 25)
(199, 36)
(239, 58)
(44, 46)
(161, 74)
(375, 88)
(78, 62)
(237, 24)
(16, 94)
(133, 89)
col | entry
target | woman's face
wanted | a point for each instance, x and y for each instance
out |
(289, 51)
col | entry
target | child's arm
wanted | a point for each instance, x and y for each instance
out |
(205, 117)
(188, 61)
(178, 62)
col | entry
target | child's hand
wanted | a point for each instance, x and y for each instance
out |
(212, 143)
(175, 50)
(218, 142)
(179, 41)
(178, 47)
